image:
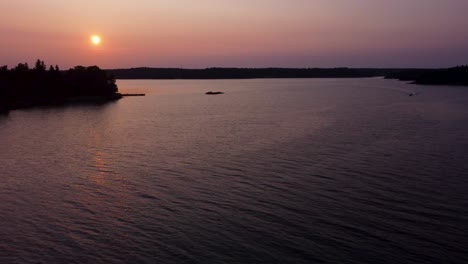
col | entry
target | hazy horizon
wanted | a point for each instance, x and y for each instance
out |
(252, 34)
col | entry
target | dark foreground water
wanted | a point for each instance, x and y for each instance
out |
(273, 171)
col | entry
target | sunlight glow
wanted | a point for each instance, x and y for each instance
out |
(95, 39)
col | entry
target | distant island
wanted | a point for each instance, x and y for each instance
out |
(22, 86)
(451, 76)
(247, 73)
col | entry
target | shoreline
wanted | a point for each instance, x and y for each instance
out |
(24, 104)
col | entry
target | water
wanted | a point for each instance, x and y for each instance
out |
(273, 171)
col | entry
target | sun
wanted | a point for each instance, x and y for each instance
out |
(95, 40)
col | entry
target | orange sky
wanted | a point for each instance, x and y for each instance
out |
(241, 33)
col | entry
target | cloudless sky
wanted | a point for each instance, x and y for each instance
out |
(236, 33)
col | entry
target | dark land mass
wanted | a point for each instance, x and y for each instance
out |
(451, 76)
(247, 73)
(22, 87)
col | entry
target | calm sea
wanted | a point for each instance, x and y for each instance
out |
(272, 171)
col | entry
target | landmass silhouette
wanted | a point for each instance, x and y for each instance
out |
(451, 76)
(22, 87)
(247, 73)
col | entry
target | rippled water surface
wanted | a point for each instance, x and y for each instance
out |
(273, 171)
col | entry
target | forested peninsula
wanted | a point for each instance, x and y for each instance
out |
(451, 76)
(23, 86)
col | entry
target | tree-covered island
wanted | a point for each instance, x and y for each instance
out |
(23, 86)
(451, 76)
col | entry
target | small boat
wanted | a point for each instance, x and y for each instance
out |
(213, 93)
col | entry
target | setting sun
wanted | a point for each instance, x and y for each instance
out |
(95, 39)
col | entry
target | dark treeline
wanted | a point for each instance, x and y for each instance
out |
(452, 76)
(246, 73)
(23, 86)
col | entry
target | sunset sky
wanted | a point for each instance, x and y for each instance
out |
(236, 33)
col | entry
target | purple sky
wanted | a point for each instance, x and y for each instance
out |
(240, 33)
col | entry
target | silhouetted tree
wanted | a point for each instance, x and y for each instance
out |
(22, 67)
(40, 66)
